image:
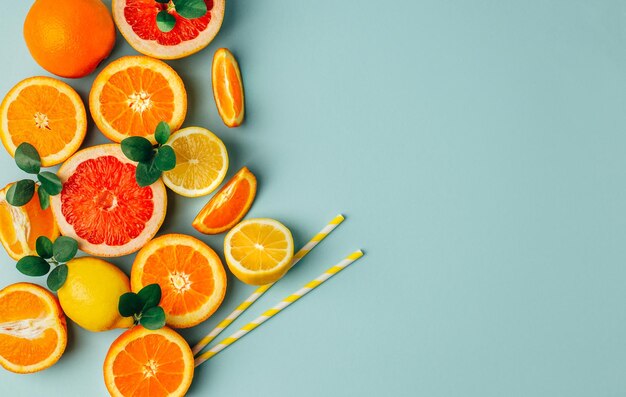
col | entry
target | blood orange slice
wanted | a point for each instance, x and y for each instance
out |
(136, 20)
(102, 206)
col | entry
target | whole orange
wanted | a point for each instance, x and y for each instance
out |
(69, 37)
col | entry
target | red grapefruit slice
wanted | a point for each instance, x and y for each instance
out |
(136, 20)
(102, 206)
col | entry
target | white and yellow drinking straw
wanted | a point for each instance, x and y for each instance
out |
(310, 286)
(262, 289)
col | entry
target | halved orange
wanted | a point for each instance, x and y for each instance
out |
(259, 251)
(148, 363)
(33, 332)
(133, 94)
(229, 205)
(191, 276)
(48, 114)
(21, 226)
(228, 87)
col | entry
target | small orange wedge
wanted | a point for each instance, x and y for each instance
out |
(227, 87)
(229, 205)
(148, 363)
(33, 332)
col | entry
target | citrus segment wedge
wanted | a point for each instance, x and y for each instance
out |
(190, 274)
(259, 251)
(20, 226)
(133, 94)
(33, 332)
(102, 206)
(148, 363)
(227, 87)
(229, 205)
(201, 162)
(48, 114)
(136, 20)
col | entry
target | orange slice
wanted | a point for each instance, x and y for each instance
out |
(21, 226)
(191, 276)
(33, 333)
(259, 251)
(227, 87)
(133, 94)
(229, 205)
(148, 363)
(48, 114)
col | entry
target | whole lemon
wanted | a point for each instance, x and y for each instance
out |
(91, 293)
(69, 37)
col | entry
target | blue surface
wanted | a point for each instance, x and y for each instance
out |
(477, 151)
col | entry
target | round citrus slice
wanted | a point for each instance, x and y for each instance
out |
(102, 206)
(33, 333)
(191, 276)
(48, 114)
(229, 205)
(21, 226)
(259, 251)
(227, 87)
(201, 162)
(133, 94)
(137, 21)
(141, 362)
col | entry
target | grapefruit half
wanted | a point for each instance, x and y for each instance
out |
(136, 20)
(102, 206)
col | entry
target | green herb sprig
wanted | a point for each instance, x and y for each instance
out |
(143, 307)
(152, 161)
(50, 255)
(21, 192)
(189, 9)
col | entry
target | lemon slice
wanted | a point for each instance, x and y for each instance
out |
(259, 251)
(201, 162)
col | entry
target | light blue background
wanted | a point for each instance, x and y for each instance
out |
(477, 150)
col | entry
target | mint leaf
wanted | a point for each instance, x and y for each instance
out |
(150, 296)
(44, 198)
(165, 158)
(129, 304)
(137, 148)
(153, 318)
(43, 246)
(64, 249)
(162, 132)
(27, 158)
(147, 173)
(57, 278)
(50, 182)
(165, 21)
(21, 192)
(190, 9)
(33, 266)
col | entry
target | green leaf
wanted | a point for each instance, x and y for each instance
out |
(57, 278)
(153, 318)
(150, 296)
(165, 158)
(21, 192)
(50, 182)
(147, 173)
(165, 21)
(64, 249)
(43, 246)
(27, 158)
(190, 9)
(162, 132)
(44, 198)
(129, 304)
(33, 266)
(138, 148)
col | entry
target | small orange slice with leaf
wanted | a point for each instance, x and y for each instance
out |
(228, 87)
(229, 205)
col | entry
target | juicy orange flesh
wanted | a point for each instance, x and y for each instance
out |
(40, 222)
(104, 203)
(135, 100)
(258, 246)
(23, 305)
(185, 276)
(227, 204)
(229, 88)
(149, 366)
(44, 117)
(198, 160)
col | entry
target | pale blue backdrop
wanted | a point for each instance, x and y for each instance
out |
(478, 151)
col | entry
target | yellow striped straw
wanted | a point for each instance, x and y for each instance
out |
(310, 286)
(336, 221)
